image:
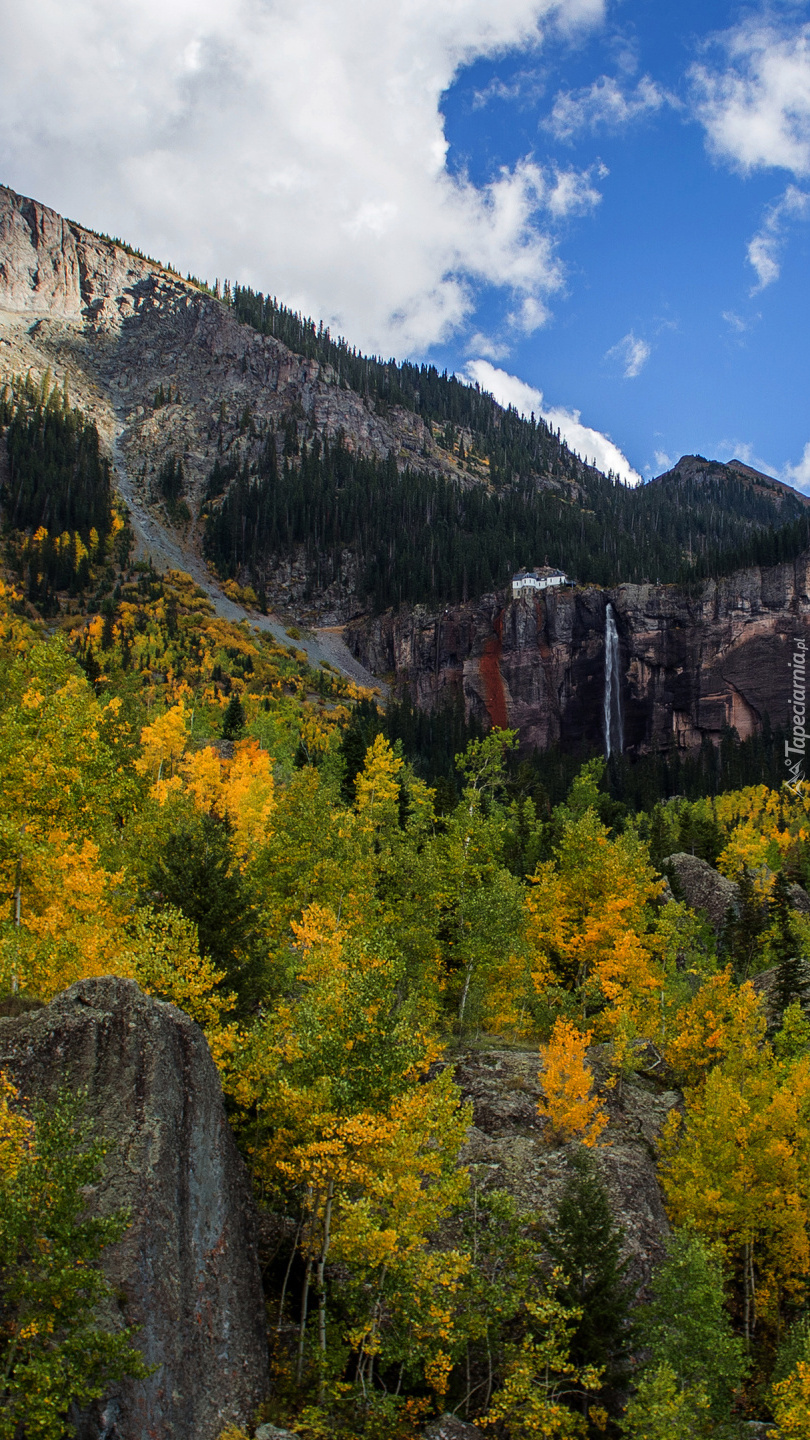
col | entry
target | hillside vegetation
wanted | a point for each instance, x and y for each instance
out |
(518, 496)
(186, 803)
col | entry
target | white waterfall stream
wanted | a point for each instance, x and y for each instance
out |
(614, 730)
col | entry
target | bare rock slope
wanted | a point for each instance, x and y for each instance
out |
(187, 1267)
(121, 327)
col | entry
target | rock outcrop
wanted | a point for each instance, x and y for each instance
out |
(119, 327)
(703, 888)
(508, 1147)
(693, 661)
(187, 1267)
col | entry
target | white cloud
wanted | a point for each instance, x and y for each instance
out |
(799, 475)
(480, 344)
(754, 97)
(742, 450)
(524, 88)
(605, 103)
(297, 145)
(663, 461)
(736, 322)
(764, 248)
(592, 445)
(632, 353)
(573, 191)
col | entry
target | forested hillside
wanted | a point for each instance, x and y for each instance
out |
(186, 803)
(519, 497)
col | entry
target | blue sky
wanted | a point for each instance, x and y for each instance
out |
(662, 257)
(598, 208)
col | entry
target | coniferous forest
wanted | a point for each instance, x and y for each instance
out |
(355, 902)
(420, 537)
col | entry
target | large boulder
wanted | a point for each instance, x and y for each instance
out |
(703, 888)
(509, 1146)
(187, 1267)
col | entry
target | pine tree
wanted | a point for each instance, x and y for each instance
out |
(586, 1244)
(197, 873)
(791, 967)
(234, 722)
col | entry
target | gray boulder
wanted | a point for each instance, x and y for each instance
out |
(187, 1268)
(449, 1427)
(704, 888)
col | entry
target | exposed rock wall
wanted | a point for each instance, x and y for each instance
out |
(508, 1146)
(187, 1266)
(693, 660)
(119, 327)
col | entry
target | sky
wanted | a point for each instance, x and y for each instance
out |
(597, 209)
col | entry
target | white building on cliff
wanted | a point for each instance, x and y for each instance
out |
(543, 578)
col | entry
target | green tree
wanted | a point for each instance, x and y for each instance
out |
(745, 928)
(686, 1325)
(234, 720)
(54, 1353)
(196, 871)
(661, 1410)
(585, 1245)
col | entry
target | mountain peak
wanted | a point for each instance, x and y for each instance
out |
(697, 470)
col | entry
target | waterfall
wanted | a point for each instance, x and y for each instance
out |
(614, 732)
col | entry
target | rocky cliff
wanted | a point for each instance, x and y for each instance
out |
(118, 327)
(187, 1267)
(692, 660)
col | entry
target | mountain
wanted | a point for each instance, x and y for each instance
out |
(694, 474)
(338, 483)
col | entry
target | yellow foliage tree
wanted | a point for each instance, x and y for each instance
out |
(589, 920)
(163, 744)
(351, 1127)
(540, 1377)
(377, 787)
(791, 1404)
(16, 1132)
(737, 1168)
(241, 790)
(721, 1021)
(568, 1104)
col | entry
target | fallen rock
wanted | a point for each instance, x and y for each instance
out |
(449, 1427)
(187, 1267)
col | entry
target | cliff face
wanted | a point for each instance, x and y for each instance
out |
(187, 1268)
(691, 661)
(118, 327)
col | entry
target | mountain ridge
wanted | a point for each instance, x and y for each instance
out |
(332, 500)
(698, 469)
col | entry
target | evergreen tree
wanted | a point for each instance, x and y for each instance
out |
(585, 1243)
(791, 967)
(744, 929)
(233, 723)
(197, 873)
